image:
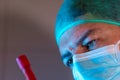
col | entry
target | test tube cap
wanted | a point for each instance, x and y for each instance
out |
(23, 61)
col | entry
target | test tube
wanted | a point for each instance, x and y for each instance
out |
(24, 65)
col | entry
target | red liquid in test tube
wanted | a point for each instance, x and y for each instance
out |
(24, 65)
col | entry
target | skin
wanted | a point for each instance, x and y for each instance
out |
(87, 37)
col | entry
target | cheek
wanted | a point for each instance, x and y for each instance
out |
(80, 49)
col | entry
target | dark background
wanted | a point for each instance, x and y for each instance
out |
(27, 26)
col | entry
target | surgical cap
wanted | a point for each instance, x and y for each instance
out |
(76, 12)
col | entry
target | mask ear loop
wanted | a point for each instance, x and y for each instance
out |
(117, 51)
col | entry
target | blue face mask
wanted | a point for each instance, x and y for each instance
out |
(99, 64)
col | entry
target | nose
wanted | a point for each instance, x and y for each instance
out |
(78, 50)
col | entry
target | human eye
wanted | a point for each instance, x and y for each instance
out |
(67, 59)
(90, 44)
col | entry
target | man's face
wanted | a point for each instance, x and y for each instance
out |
(87, 37)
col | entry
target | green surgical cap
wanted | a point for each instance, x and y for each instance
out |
(76, 12)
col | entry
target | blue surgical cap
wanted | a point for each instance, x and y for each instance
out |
(76, 12)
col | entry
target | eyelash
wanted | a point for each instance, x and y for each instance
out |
(90, 45)
(68, 61)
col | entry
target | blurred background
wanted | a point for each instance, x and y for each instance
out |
(27, 27)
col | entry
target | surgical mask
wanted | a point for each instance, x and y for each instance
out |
(100, 64)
